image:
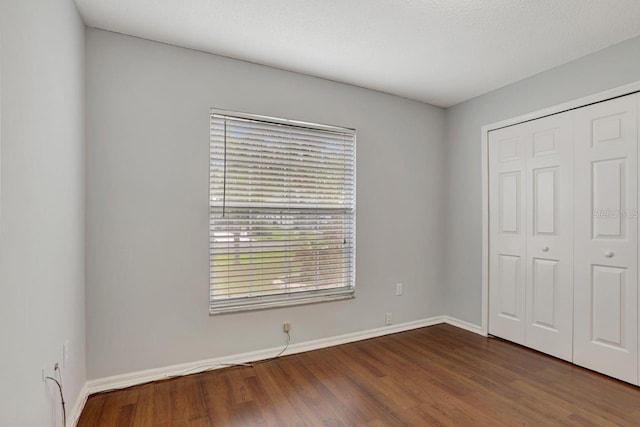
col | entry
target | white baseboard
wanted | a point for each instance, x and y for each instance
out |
(476, 329)
(141, 377)
(78, 406)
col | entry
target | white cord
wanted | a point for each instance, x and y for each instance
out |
(250, 364)
(285, 347)
(62, 402)
(207, 368)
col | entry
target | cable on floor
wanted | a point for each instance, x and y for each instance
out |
(207, 368)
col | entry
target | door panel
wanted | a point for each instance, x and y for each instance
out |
(509, 278)
(510, 149)
(544, 290)
(507, 236)
(545, 200)
(549, 207)
(608, 198)
(607, 129)
(544, 143)
(606, 263)
(607, 289)
(509, 200)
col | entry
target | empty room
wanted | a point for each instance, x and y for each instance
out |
(319, 213)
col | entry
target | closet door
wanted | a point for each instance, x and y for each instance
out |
(606, 262)
(507, 248)
(549, 207)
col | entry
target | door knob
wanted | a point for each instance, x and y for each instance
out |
(545, 249)
(609, 254)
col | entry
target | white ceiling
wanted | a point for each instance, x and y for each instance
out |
(437, 51)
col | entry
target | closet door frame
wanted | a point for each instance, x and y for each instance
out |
(571, 105)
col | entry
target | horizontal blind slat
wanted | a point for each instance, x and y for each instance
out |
(241, 172)
(244, 280)
(282, 147)
(338, 281)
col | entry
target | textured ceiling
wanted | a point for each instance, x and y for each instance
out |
(437, 51)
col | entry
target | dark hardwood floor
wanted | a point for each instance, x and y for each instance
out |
(440, 375)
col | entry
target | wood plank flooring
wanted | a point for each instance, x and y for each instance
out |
(440, 375)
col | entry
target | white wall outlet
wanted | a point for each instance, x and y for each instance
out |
(286, 327)
(65, 354)
(387, 319)
(398, 289)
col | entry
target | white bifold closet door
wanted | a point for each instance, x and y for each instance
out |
(606, 258)
(507, 269)
(531, 234)
(549, 281)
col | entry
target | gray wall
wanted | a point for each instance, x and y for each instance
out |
(608, 68)
(42, 222)
(147, 184)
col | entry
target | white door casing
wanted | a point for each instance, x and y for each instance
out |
(606, 252)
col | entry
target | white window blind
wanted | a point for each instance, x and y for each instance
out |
(281, 212)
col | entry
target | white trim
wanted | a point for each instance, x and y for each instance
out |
(140, 377)
(279, 300)
(484, 322)
(0, 137)
(74, 414)
(570, 105)
(476, 329)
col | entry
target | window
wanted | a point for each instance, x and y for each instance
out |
(281, 212)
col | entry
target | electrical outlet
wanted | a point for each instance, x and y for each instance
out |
(286, 327)
(65, 354)
(398, 289)
(387, 319)
(43, 375)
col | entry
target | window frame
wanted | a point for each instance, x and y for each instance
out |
(284, 299)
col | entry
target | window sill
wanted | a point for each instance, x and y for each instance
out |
(219, 307)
